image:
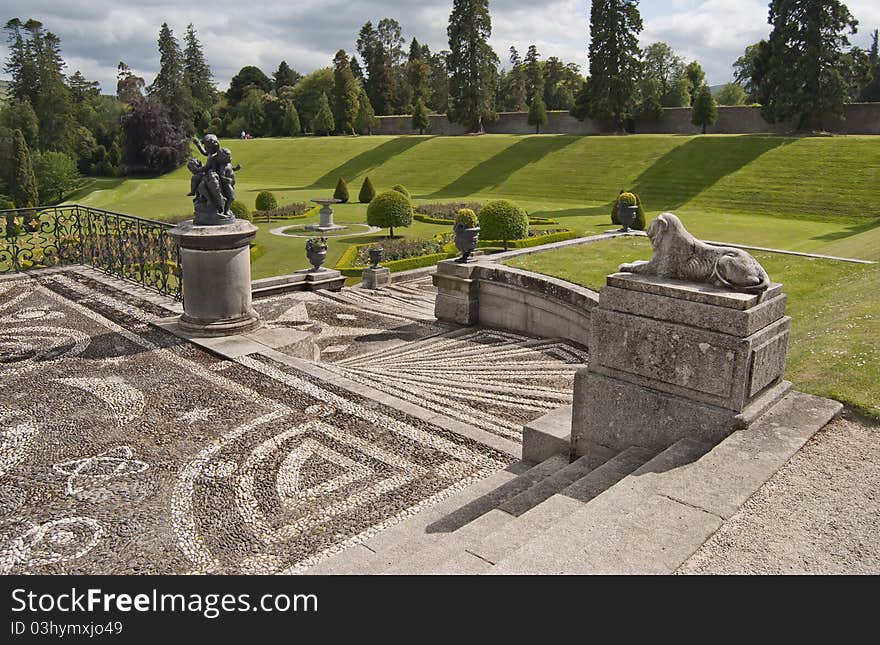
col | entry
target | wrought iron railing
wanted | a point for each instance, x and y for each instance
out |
(126, 246)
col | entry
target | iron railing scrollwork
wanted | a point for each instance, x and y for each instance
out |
(129, 247)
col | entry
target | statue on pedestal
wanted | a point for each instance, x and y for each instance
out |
(213, 183)
(679, 255)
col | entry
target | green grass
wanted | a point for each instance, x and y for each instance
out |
(835, 310)
(819, 193)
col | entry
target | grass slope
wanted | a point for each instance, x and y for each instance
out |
(835, 310)
(820, 193)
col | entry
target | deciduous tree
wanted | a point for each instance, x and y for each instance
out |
(803, 71)
(731, 94)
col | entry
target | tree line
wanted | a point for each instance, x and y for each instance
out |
(804, 72)
(55, 127)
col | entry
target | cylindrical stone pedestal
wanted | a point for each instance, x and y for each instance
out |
(216, 278)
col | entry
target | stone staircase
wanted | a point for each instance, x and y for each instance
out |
(408, 299)
(633, 511)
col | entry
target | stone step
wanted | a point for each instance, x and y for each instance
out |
(596, 476)
(393, 543)
(564, 478)
(470, 522)
(403, 306)
(654, 520)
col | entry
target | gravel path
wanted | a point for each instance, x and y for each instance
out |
(820, 514)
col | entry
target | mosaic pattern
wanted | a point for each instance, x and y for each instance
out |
(491, 379)
(126, 450)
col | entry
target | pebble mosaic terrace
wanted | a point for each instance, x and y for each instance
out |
(125, 449)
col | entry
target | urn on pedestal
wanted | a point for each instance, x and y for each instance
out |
(316, 251)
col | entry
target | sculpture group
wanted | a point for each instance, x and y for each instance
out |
(213, 183)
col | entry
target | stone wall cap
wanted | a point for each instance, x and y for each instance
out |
(693, 292)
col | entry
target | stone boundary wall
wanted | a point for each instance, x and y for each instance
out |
(861, 118)
(510, 299)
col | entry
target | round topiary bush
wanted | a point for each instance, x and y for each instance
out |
(266, 201)
(467, 218)
(390, 209)
(503, 220)
(240, 210)
(367, 192)
(402, 190)
(341, 192)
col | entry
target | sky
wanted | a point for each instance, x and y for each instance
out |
(97, 34)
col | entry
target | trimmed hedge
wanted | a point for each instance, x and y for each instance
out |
(427, 219)
(346, 266)
(400, 188)
(537, 240)
(503, 220)
(542, 221)
(297, 210)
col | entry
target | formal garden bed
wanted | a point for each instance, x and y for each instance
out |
(443, 213)
(400, 255)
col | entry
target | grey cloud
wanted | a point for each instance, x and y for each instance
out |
(97, 34)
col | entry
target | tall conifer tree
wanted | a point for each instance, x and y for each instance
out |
(614, 60)
(197, 72)
(23, 188)
(472, 64)
(345, 94)
(170, 87)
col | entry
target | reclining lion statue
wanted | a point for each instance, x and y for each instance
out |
(679, 255)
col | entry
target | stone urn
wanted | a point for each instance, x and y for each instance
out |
(466, 241)
(376, 257)
(627, 215)
(316, 251)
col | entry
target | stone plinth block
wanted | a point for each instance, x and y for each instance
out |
(457, 292)
(304, 280)
(216, 278)
(670, 360)
(376, 278)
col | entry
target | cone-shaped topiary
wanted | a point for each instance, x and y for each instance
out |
(367, 192)
(389, 209)
(402, 190)
(341, 192)
(503, 220)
